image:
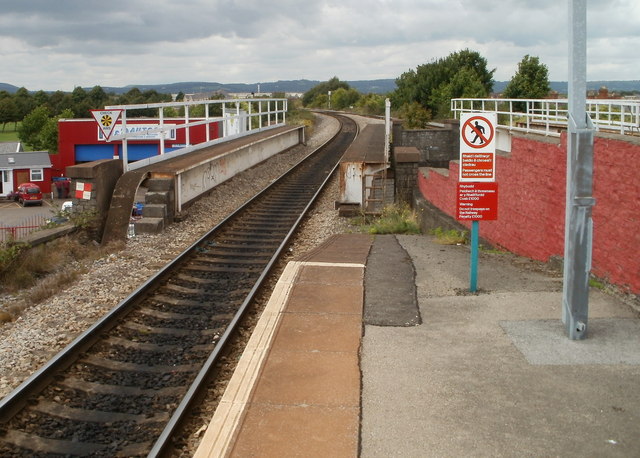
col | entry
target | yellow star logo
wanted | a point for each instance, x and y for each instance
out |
(106, 120)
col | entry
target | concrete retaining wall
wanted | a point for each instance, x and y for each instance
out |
(203, 177)
(531, 203)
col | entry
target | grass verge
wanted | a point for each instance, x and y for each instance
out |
(450, 237)
(395, 219)
(303, 118)
(37, 273)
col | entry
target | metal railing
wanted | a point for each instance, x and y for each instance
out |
(549, 116)
(240, 117)
(21, 229)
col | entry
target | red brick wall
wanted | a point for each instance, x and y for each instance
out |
(531, 204)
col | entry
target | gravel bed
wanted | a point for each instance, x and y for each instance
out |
(44, 329)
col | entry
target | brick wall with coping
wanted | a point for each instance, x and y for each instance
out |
(531, 203)
(437, 146)
(405, 165)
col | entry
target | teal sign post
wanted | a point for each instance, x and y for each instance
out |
(477, 197)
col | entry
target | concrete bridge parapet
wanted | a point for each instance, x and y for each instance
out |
(92, 185)
(175, 183)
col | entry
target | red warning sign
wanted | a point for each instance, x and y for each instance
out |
(477, 201)
(477, 132)
(477, 166)
(477, 147)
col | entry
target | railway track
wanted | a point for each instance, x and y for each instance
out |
(125, 385)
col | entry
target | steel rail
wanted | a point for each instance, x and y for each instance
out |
(16, 400)
(159, 448)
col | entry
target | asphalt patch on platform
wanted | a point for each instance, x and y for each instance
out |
(609, 341)
(390, 286)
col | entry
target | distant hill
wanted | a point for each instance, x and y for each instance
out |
(382, 86)
(375, 86)
(10, 88)
(561, 87)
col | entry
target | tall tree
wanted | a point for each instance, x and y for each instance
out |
(40, 98)
(31, 127)
(8, 111)
(323, 89)
(433, 85)
(98, 97)
(344, 98)
(49, 132)
(60, 101)
(39, 130)
(24, 102)
(531, 81)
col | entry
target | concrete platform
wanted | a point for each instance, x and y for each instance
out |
(296, 390)
(487, 374)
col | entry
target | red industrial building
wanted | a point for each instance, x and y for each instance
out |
(81, 140)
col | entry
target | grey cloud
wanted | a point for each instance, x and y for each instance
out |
(89, 42)
(48, 23)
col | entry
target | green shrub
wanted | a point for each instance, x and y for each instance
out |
(22, 266)
(84, 220)
(395, 219)
(449, 237)
(9, 253)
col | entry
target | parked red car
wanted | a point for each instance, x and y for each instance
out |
(29, 194)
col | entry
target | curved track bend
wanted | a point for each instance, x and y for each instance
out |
(123, 387)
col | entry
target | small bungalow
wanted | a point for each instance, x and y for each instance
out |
(10, 147)
(24, 166)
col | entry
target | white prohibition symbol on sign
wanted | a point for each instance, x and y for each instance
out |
(477, 132)
(106, 120)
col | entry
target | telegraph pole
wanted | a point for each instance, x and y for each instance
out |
(579, 199)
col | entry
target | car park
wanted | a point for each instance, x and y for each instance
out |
(29, 194)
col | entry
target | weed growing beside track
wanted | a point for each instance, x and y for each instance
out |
(450, 237)
(395, 219)
(40, 272)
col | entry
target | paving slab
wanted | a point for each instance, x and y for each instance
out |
(610, 341)
(489, 374)
(300, 431)
(484, 374)
(296, 391)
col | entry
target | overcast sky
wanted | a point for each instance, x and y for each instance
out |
(61, 44)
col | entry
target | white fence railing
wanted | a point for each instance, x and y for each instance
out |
(240, 117)
(549, 116)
